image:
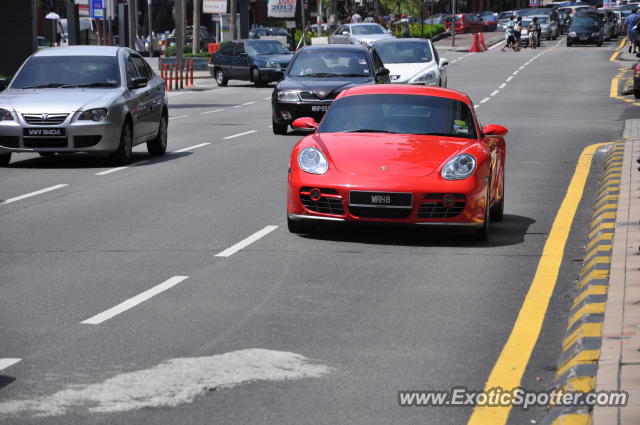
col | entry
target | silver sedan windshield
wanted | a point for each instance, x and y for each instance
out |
(68, 71)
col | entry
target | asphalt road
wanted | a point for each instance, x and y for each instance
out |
(287, 329)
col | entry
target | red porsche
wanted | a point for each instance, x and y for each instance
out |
(397, 154)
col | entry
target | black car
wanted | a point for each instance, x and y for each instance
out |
(316, 75)
(585, 30)
(258, 61)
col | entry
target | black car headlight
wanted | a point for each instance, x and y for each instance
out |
(289, 96)
(97, 114)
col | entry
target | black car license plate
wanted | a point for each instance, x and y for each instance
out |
(380, 199)
(44, 132)
(584, 36)
(319, 108)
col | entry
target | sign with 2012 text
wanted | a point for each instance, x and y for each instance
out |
(282, 8)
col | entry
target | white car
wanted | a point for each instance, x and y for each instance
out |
(365, 34)
(412, 61)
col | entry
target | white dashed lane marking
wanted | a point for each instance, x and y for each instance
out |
(190, 148)
(178, 117)
(113, 170)
(8, 362)
(134, 301)
(247, 241)
(31, 194)
(239, 134)
(211, 112)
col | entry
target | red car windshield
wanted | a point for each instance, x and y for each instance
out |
(401, 114)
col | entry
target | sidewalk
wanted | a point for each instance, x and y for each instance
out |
(464, 41)
(619, 363)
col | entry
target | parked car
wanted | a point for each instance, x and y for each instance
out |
(270, 32)
(316, 75)
(258, 61)
(412, 61)
(466, 22)
(489, 20)
(585, 29)
(364, 34)
(438, 18)
(83, 99)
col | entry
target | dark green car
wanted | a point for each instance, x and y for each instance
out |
(258, 61)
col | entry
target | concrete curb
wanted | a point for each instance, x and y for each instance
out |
(582, 343)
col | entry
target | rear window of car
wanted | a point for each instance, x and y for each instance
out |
(404, 52)
(367, 29)
(68, 70)
(402, 114)
(329, 64)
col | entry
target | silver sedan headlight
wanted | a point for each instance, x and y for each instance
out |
(289, 96)
(424, 78)
(273, 65)
(312, 161)
(97, 114)
(5, 115)
(459, 167)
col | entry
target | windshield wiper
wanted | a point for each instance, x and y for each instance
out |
(97, 84)
(368, 130)
(44, 86)
(351, 75)
(320, 75)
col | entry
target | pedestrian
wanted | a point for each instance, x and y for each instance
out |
(631, 22)
(369, 19)
(404, 23)
(534, 33)
(356, 18)
(511, 40)
(58, 25)
(517, 33)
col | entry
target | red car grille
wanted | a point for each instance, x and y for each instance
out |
(329, 203)
(432, 206)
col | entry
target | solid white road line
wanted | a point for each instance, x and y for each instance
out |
(5, 363)
(211, 112)
(178, 117)
(521, 68)
(495, 92)
(190, 148)
(113, 170)
(503, 85)
(267, 98)
(29, 195)
(484, 100)
(246, 242)
(515, 72)
(132, 302)
(509, 79)
(239, 134)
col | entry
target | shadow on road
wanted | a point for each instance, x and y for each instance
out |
(510, 231)
(6, 380)
(88, 161)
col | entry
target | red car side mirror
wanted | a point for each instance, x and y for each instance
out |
(305, 123)
(494, 130)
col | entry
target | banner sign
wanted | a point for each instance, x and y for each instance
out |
(534, 3)
(281, 8)
(214, 6)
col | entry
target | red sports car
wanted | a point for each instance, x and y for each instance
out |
(398, 154)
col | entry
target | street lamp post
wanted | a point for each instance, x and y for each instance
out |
(453, 23)
(150, 28)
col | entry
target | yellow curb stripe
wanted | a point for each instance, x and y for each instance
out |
(573, 419)
(596, 260)
(604, 238)
(584, 330)
(609, 215)
(582, 357)
(604, 208)
(582, 383)
(601, 227)
(591, 290)
(614, 55)
(592, 308)
(604, 249)
(514, 357)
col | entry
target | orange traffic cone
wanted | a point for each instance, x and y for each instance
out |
(482, 43)
(476, 47)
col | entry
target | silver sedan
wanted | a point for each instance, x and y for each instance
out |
(83, 99)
